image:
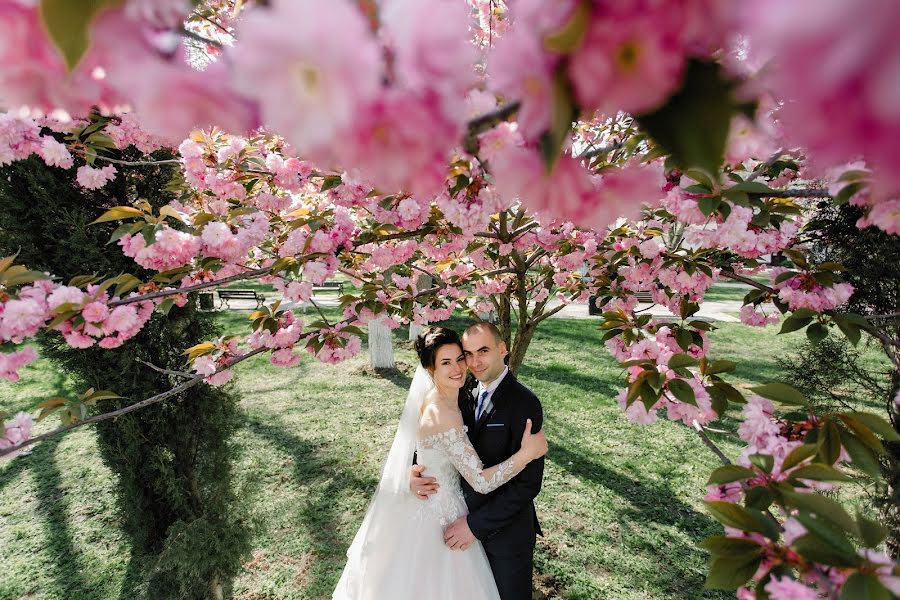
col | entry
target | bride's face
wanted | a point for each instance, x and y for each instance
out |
(449, 367)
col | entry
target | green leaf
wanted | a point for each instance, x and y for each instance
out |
(793, 323)
(781, 392)
(118, 213)
(709, 204)
(871, 532)
(165, 306)
(818, 472)
(797, 257)
(730, 547)
(763, 461)
(332, 181)
(753, 187)
(68, 25)
(865, 434)
(569, 36)
(727, 573)
(730, 473)
(848, 191)
(562, 114)
(863, 457)
(829, 443)
(866, 586)
(851, 331)
(721, 366)
(821, 506)
(816, 332)
(684, 339)
(798, 455)
(825, 543)
(758, 497)
(693, 124)
(684, 392)
(877, 424)
(682, 360)
(734, 515)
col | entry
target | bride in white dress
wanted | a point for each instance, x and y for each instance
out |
(399, 552)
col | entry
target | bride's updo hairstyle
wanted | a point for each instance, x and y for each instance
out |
(430, 339)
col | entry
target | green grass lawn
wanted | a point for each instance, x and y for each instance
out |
(726, 292)
(620, 505)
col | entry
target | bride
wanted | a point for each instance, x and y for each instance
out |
(399, 552)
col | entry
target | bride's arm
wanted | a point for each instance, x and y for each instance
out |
(445, 431)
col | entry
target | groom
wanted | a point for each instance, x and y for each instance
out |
(494, 408)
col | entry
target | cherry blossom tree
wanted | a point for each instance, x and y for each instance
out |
(494, 148)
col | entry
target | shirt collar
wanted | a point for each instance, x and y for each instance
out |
(493, 385)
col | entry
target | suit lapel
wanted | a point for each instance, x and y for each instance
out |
(496, 400)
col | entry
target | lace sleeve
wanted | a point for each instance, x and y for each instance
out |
(456, 445)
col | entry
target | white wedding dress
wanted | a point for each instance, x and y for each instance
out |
(399, 551)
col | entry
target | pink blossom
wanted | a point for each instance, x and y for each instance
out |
(432, 51)
(21, 318)
(803, 291)
(171, 99)
(16, 431)
(885, 215)
(95, 312)
(401, 141)
(171, 249)
(65, 294)
(310, 65)
(785, 588)
(295, 291)
(90, 178)
(729, 492)
(793, 529)
(835, 66)
(285, 358)
(631, 59)
(166, 14)
(54, 153)
(518, 67)
(19, 137)
(755, 318)
(11, 362)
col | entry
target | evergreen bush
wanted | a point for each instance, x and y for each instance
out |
(187, 526)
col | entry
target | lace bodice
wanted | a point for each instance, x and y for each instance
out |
(446, 452)
(458, 450)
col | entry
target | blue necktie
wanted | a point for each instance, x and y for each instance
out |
(480, 408)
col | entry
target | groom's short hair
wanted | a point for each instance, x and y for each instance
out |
(485, 326)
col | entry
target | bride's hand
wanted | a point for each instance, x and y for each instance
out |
(533, 444)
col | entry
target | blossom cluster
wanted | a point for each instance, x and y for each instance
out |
(16, 430)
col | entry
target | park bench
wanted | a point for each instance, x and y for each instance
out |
(644, 297)
(235, 294)
(329, 286)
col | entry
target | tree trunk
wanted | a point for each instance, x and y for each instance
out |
(520, 348)
(414, 330)
(381, 348)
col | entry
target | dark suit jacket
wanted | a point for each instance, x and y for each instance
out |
(504, 520)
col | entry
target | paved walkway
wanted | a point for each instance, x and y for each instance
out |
(721, 310)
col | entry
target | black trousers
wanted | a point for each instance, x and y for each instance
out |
(513, 575)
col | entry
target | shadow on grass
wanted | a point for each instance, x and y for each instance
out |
(649, 503)
(319, 513)
(59, 550)
(571, 376)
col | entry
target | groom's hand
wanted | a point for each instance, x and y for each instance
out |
(458, 536)
(421, 486)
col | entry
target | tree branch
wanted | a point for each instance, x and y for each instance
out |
(166, 371)
(710, 444)
(132, 407)
(254, 274)
(132, 163)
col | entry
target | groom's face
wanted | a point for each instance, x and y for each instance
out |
(484, 354)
